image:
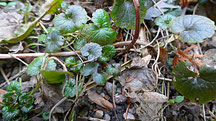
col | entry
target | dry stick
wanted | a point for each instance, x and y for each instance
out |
(137, 10)
(114, 105)
(29, 55)
(126, 114)
(53, 108)
(3, 74)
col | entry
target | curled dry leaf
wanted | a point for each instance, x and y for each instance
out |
(139, 62)
(93, 96)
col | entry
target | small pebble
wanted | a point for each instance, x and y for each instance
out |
(99, 114)
(107, 117)
(109, 88)
(120, 99)
(129, 116)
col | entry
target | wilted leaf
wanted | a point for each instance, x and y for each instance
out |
(153, 11)
(124, 14)
(79, 43)
(89, 68)
(93, 96)
(99, 78)
(50, 7)
(196, 88)
(193, 28)
(73, 19)
(22, 31)
(35, 66)
(54, 41)
(164, 20)
(102, 36)
(92, 50)
(53, 77)
(101, 18)
(14, 86)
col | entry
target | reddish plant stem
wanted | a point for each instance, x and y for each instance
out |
(136, 35)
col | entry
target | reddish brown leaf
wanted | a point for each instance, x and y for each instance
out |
(93, 96)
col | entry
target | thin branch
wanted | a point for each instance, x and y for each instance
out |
(137, 11)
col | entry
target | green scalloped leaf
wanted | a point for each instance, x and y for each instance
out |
(99, 78)
(73, 19)
(101, 18)
(102, 36)
(193, 28)
(124, 15)
(89, 68)
(15, 86)
(79, 43)
(109, 51)
(70, 88)
(164, 20)
(9, 113)
(54, 41)
(200, 88)
(24, 30)
(35, 66)
(92, 50)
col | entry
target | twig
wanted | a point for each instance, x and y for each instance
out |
(114, 105)
(3, 74)
(18, 74)
(126, 114)
(19, 59)
(53, 108)
(137, 11)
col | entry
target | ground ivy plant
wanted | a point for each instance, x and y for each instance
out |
(16, 103)
(197, 87)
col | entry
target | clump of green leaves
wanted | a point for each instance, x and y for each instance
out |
(177, 99)
(16, 104)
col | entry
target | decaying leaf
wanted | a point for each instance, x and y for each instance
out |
(93, 96)
(139, 62)
(150, 105)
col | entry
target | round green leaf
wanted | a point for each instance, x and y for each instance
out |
(103, 58)
(89, 68)
(78, 66)
(26, 99)
(102, 36)
(42, 38)
(73, 19)
(15, 86)
(26, 108)
(35, 66)
(45, 116)
(9, 98)
(171, 101)
(109, 51)
(101, 18)
(196, 88)
(54, 41)
(192, 28)
(111, 70)
(124, 14)
(70, 61)
(92, 50)
(99, 78)
(9, 113)
(164, 20)
(70, 88)
(179, 99)
(79, 43)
